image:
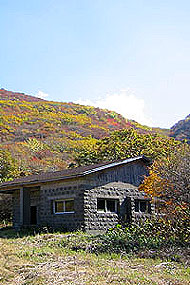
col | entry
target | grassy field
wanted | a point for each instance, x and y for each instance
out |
(50, 259)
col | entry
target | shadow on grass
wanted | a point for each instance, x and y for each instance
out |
(9, 232)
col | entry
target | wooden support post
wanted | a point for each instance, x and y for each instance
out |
(21, 206)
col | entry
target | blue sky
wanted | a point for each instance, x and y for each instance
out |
(131, 56)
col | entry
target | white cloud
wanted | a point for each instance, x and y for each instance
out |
(41, 94)
(124, 103)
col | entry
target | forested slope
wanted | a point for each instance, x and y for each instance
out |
(39, 135)
(43, 135)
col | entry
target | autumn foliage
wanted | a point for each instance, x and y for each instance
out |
(169, 183)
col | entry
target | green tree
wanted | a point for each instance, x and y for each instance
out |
(126, 143)
(8, 170)
(8, 166)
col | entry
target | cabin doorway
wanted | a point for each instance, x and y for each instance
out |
(33, 215)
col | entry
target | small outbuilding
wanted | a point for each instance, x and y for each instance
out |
(91, 198)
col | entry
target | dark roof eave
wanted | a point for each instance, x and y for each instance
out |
(14, 186)
(18, 185)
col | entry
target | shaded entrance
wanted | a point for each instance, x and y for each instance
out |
(33, 215)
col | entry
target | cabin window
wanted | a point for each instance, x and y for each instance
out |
(107, 205)
(143, 206)
(64, 206)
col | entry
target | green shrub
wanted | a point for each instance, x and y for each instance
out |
(151, 234)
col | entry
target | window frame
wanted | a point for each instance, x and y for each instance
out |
(148, 206)
(63, 212)
(116, 206)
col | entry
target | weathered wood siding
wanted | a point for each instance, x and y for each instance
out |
(132, 173)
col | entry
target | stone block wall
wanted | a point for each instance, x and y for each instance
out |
(51, 192)
(102, 221)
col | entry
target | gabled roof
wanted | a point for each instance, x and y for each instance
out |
(66, 173)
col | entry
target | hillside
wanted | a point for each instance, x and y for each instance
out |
(16, 96)
(44, 135)
(24, 116)
(181, 130)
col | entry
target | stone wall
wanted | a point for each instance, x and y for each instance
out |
(123, 192)
(73, 188)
